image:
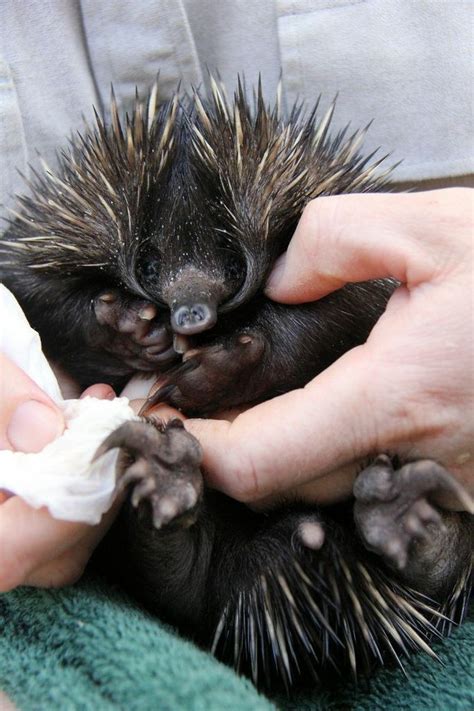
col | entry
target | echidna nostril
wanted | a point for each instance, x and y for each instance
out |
(193, 318)
(198, 313)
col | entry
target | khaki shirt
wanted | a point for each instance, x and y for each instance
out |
(404, 63)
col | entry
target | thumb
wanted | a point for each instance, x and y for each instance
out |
(273, 447)
(29, 419)
(350, 238)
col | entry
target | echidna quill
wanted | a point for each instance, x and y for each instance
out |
(146, 252)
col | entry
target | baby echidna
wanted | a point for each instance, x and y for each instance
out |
(147, 253)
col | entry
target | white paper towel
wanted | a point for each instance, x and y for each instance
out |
(61, 476)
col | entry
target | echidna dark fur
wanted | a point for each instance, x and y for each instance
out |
(147, 252)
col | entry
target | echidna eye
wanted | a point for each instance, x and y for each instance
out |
(151, 270)
(149, 267)
(234, 271)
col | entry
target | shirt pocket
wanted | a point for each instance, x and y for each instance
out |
(405, 65)
(13, 155)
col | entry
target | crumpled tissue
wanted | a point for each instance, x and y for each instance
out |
(62, 476)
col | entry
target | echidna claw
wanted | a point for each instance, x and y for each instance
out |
(142, 490)
(414, 526)
(162, 395)
(165, 510)
(130, 477)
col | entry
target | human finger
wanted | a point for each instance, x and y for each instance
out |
(29, 419)
(101, 391)
(351, 238)
(273, 447)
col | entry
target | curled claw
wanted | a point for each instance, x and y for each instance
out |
(132, 475)
(165, 510)
(161, 395)
(142, 490)
(397, 553)
(136, 438)
(179, 504)
(170, 391)
(190, 354)
(426, 513)
(415, 527)
(148, 312)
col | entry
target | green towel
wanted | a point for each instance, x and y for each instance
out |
(88, 647)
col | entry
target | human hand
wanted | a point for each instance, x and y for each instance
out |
(36, 549)
(408, 390)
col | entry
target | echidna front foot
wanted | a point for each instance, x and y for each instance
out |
(161, 467)
(214, 377)
(396, 517)
(133, 330)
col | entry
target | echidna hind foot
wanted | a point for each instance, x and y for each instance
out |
(160, 464)
(397, 518)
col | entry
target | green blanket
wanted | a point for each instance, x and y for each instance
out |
(88, 647)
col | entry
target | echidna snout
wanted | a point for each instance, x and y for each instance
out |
(189, 319)
(193, 296)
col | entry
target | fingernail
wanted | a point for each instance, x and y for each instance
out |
(33, 425)
(107, 392)
(275, 278)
